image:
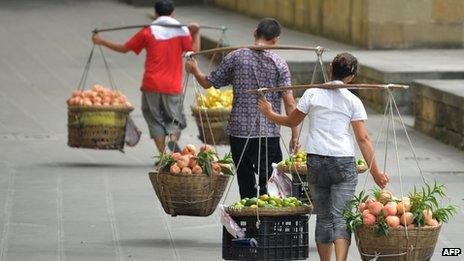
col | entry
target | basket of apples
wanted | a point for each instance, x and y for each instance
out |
(97, 118)
(191, 183)
(405, 228)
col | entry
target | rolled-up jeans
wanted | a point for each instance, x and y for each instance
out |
(332, 183)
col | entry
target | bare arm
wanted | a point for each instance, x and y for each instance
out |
(111, 45)
(290, 105)
(191, 66)
(367, 150)
(196, 40)
(292, 120)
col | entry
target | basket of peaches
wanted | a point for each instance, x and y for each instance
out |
(405, 228)
(191, 182)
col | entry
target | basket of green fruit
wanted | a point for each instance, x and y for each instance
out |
(296, 164)
(267, 205)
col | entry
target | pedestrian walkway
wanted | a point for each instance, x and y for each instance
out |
(58, 203)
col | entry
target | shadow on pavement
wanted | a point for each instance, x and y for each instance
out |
(164, 242)
(79, 165)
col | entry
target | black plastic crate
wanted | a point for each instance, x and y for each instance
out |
(298, 188)
(279, 238)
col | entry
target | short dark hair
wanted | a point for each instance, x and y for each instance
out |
(343, 65)
(164, 7)
(268, 28)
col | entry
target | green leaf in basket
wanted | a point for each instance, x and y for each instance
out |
(227, 169)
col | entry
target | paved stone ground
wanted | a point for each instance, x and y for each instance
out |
(58, 203)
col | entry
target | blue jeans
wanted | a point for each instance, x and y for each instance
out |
(332, 183)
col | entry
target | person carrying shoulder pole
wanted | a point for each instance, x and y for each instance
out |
(332, 175)
(162, 80)
(247, 69)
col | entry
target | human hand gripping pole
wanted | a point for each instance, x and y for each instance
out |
(264, 106)
(190, 64)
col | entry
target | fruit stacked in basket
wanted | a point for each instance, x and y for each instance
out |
(215, 99)
(406, 227)
(211, 113)
(268, 206)
(296, 164)
(97, 118)
(266, 201)
(98, 96)
(189, 161)
(191, 183)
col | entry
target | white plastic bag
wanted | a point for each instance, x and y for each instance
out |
(279, 184)
(229, 223)
(132, 133)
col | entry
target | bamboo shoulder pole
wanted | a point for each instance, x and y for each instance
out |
(330, 86)
(223, 28)
(260, 48)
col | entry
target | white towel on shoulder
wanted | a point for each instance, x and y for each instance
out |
(165, 33)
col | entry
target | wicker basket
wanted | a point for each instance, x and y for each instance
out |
(214, 123)
(97, 127)
(396, 246)
(269, 212)
(303, 170)
(189, 195)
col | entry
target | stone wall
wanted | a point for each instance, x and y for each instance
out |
(439, 109)
(372, 24)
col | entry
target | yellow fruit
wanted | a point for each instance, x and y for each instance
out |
(215, 98)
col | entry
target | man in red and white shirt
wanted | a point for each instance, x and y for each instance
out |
(162, 80)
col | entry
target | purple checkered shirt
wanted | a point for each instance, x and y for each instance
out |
(247, 69)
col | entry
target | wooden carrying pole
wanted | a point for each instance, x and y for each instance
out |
(330, 86)
(223, 28)
(259, 48)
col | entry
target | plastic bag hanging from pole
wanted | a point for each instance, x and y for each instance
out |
(279, 184)
(133, 133)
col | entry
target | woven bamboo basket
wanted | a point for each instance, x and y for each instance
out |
(269, 212)
(188, 195)
(97, 127)
(301, 170)
(214, 122)
(419, 245)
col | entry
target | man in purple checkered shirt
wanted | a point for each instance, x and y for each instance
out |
(247, 69)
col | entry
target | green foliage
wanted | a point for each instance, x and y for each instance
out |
(443, 214)
(381, 226)
(165, 160)
(227, 159)
(427, 199)
(376, 192)
(351, 213)
(227, 165)
(205, 159)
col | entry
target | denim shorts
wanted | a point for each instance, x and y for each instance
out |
(332, 182)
